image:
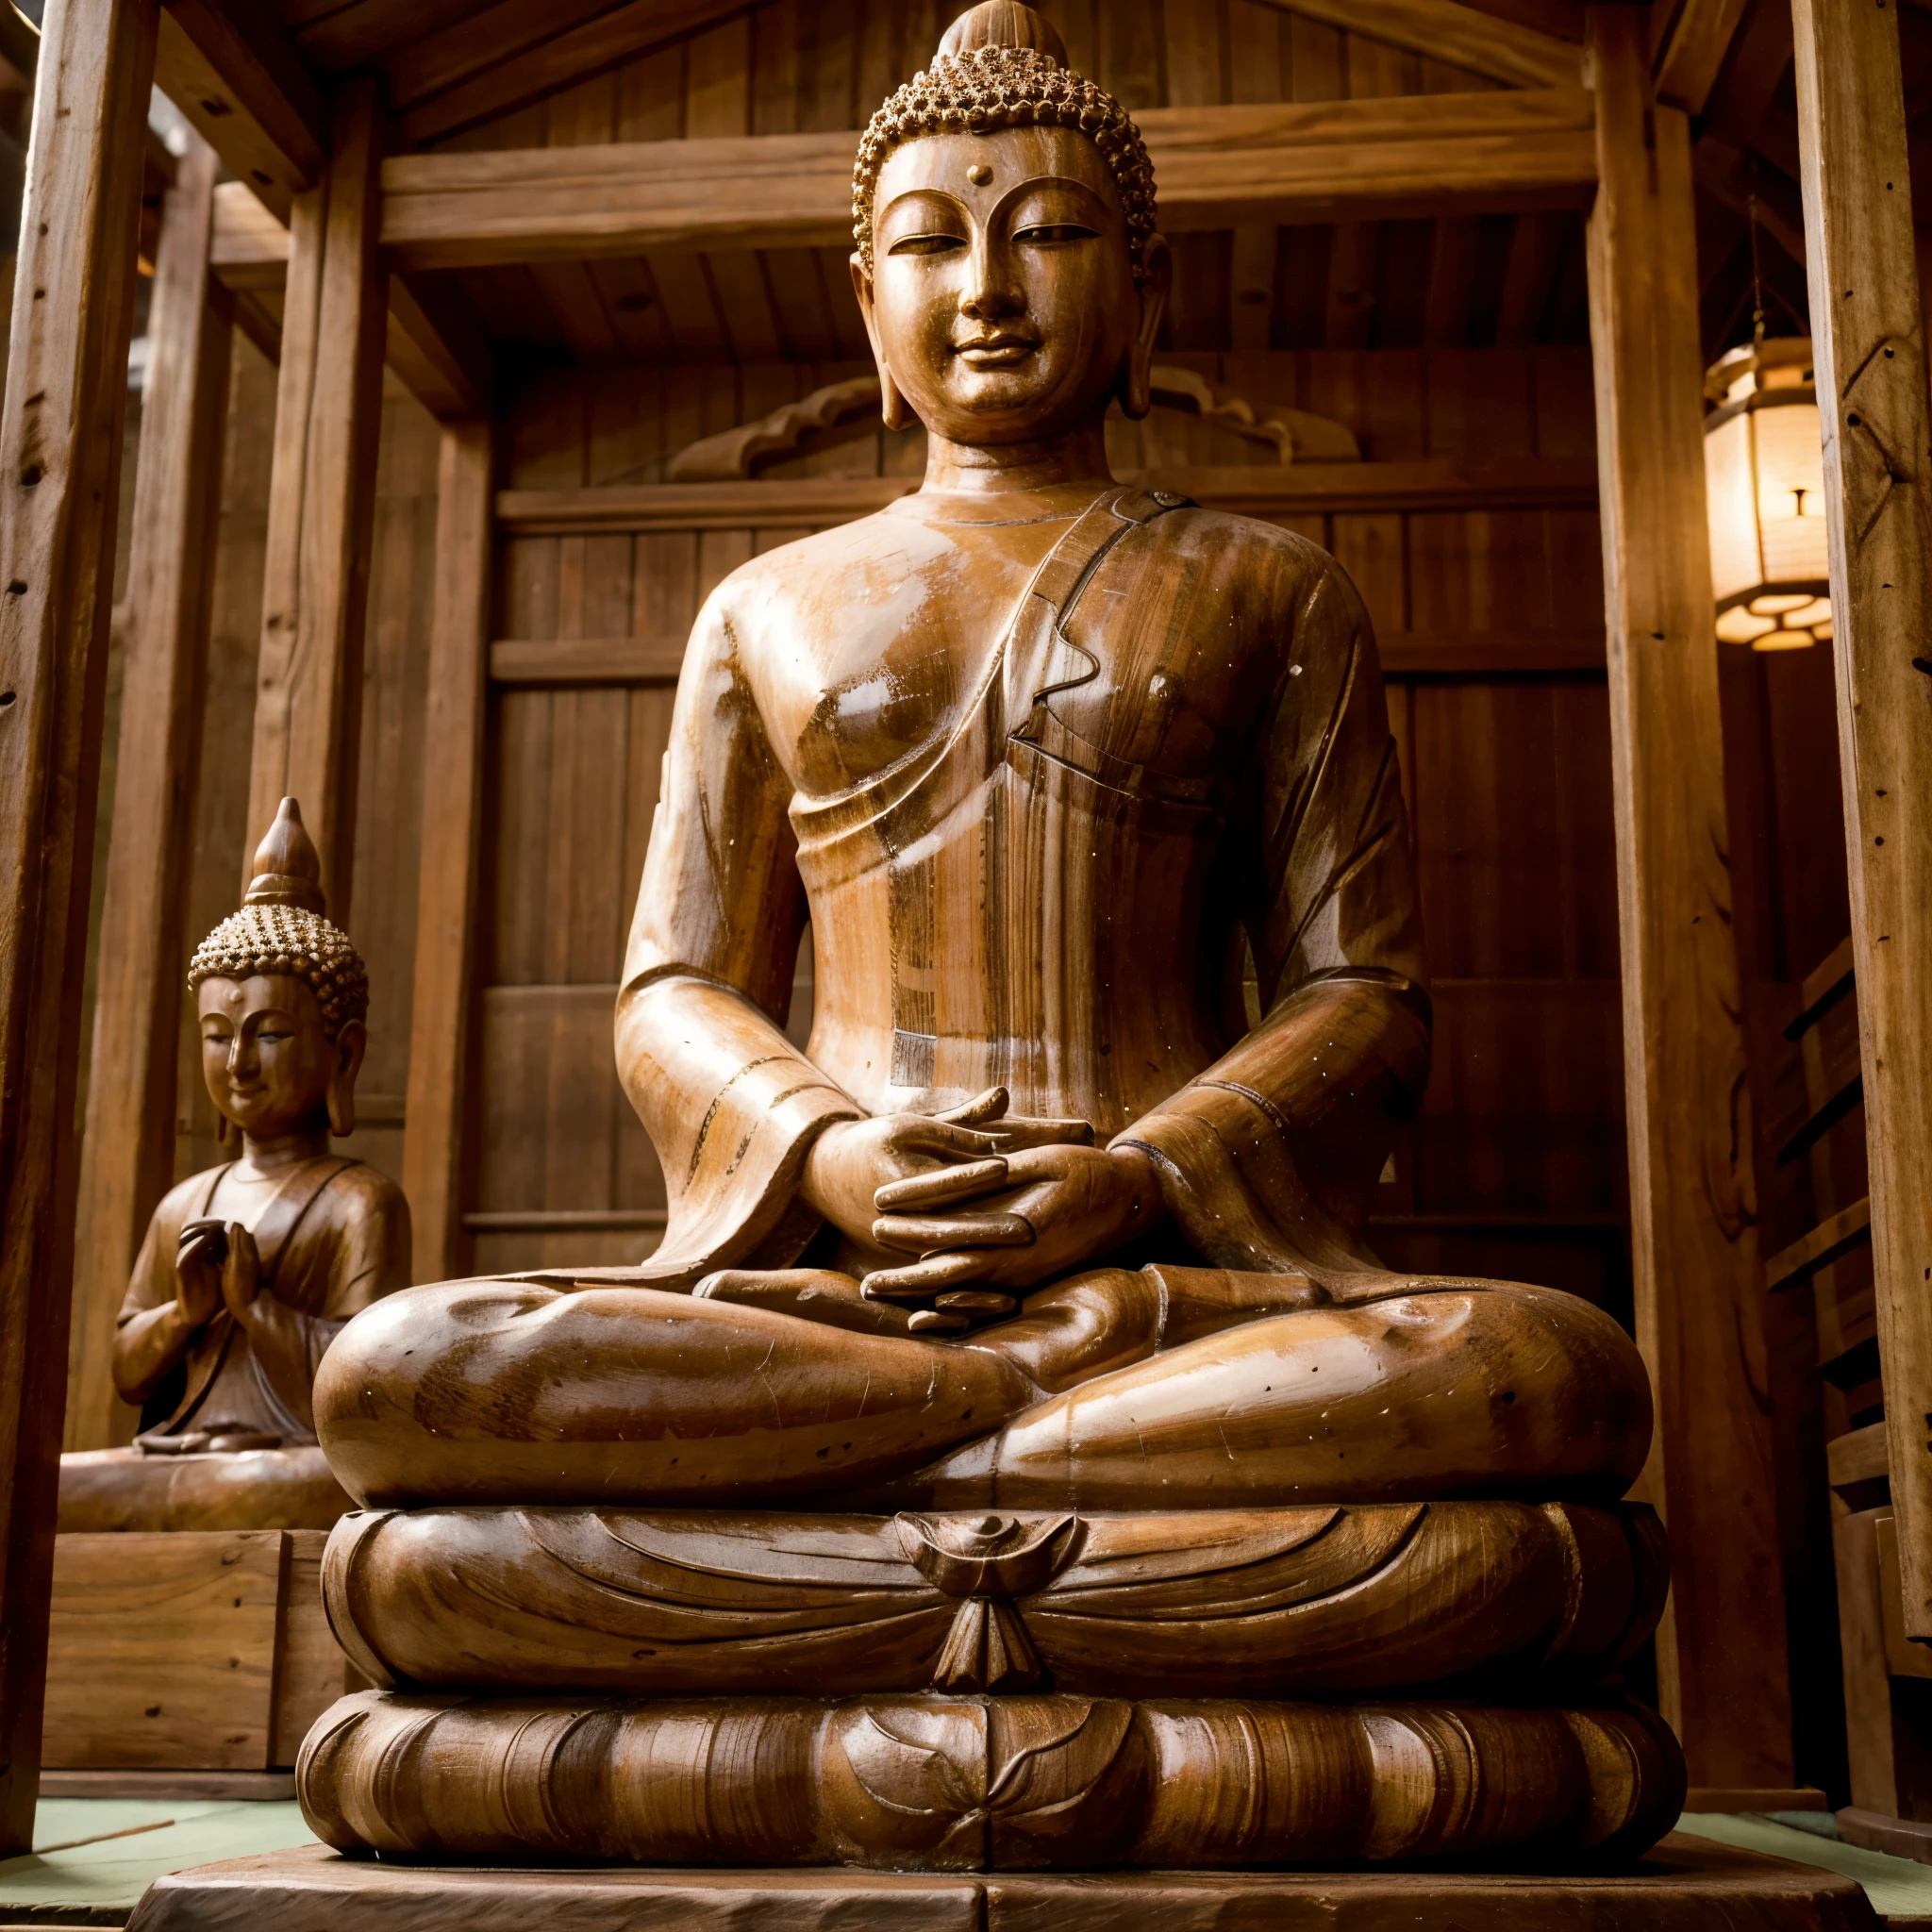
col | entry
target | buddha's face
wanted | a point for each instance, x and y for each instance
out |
(266, 1055)
(1002, 298)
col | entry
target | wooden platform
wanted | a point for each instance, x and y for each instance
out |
(1686, 1885)
(186, 1651)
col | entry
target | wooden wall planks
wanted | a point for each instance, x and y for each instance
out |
(393, 697)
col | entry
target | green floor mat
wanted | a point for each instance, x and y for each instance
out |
(1900, 1888)
(101, 1873)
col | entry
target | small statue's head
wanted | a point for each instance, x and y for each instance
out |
(281, 996)
(1007, 266)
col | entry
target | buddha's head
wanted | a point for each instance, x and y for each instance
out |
(1007, 266)
(281, 997)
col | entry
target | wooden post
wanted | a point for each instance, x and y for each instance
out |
(1868, 341)
(60, 486)
(321, 499)
(127, 1156)
(1720, 1648)
(452, 841)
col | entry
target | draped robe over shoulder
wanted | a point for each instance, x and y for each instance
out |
(1179, 740)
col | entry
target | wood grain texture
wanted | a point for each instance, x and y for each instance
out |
(1861, 1651)
(1685, 1884)
(60, 488)
(1257, 1603)
(238, 80)
(1834, 1236)
(984, 1782)
(1463, 36)
(1868, 333)
(548, 61)
(127, 1155)
(1693, 1244)
(163, 1649)
(310, 1670)
(434, 344)
(447, 914)
(1691, 39)
(308, 709)
(1264, 490)
(1405, 154)
(189, 1650)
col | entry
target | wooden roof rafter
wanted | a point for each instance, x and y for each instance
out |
(441, 86)
(1461, 36)
(1512, 151)
(244, 88)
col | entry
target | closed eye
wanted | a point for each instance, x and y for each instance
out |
(1055, 231)
(925, 244)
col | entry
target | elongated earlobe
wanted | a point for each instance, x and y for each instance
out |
(351, 1043)
(224, 1128)
(894, 407)
(1136, 388)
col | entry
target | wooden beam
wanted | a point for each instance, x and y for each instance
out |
(248, 247)
(322, 502)
(59, 489)
(1463, 36)
(433, 1141)
(1689, 41)
(237, 77)
(437, 350)
(519, 50)
(560, 663)
(127, 1155)
(1867, 337)
(1721, 1647)
(1254, 490)
(1837, 1235)
(433, 344)
(1405, 156)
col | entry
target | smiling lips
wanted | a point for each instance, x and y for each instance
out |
(997, 351)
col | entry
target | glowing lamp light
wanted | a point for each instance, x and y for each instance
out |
(1764, 472)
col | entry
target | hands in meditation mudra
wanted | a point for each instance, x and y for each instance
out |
(1039, 1228)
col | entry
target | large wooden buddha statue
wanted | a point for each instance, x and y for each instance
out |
(1013, 1373)
(250, 1270)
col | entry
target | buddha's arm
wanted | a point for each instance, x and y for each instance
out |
(1267, 1160)
(730, 1104)
(155, 1332)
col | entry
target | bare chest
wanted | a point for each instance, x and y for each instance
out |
(862, 668)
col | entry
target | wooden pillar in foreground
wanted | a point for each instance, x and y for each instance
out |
(451, 856)
(60, 486)
(127, 1155)
(321, 499)
(1869, 354)
(1721, 1647)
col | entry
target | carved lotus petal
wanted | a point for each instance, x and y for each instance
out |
(989, 1555)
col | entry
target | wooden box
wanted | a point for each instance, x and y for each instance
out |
(188, 1649)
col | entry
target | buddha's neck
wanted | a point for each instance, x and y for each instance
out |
(1019, 478)
(272, 1152)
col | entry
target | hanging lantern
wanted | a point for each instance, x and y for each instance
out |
(1764, 471)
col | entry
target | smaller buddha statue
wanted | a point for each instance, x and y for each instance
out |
(250, 1269)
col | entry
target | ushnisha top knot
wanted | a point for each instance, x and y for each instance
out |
(281, 928)
(1000, 65)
